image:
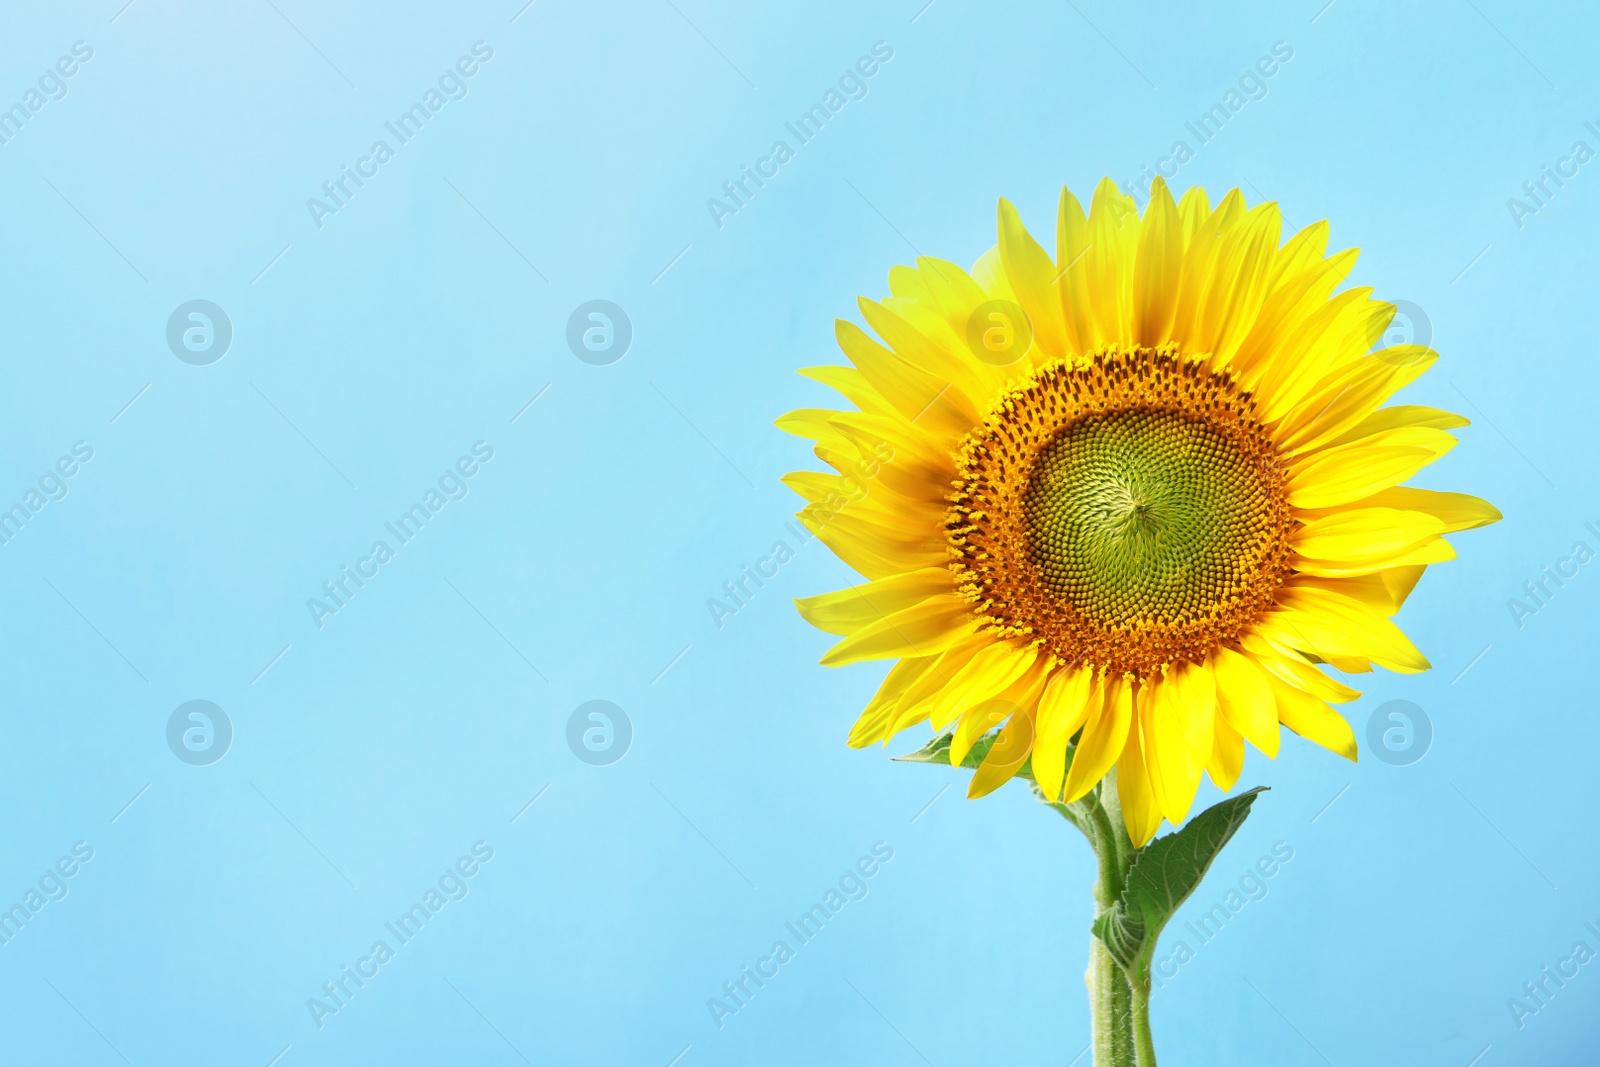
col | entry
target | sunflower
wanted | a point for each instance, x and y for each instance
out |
(1127, 502)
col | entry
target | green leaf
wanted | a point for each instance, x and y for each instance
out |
(1164, 874)
(938, 751)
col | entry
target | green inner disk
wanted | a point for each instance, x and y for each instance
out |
(1144, 516)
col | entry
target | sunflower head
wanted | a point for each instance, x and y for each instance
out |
(1125, 502)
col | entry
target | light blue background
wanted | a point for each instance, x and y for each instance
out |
(425, 716)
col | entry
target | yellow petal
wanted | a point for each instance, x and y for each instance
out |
(1063, 709)
(874, 550)
(1240, 285)
(1283, 662)
(989, 271)
(989, 673)
(1369, 589)
(905, 457)
(915, 394)
(1295, 300)
(1140, 812)
(1201, 250)
(1299, 253)
(1174, 767)
(1358, 533)
(1338, 332)
(808, 423)
(1009, 752)
(1072, 275)
(811, 485)
(1156, 272)
(953, 292)
(977, 719)
(1227, 757)
(1197, 696)
(1032, 277)
(1347, 473)
(1349, 394)
(1436, 550)
(1322, 622)
(864, 496)
(1244, 695)
(1397, 416)
(1314, 720)
(969, 393)
(851, 384)
(932, 626)
(1105, 731)
(877, 434)
(1400, 581)
(1457, 511)
(906, 283)
(1113, 233)
(872, 726)
(916, 703)
(1193, 209)
(1384, 591)
(845, 611)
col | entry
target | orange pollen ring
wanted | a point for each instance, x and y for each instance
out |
(1126, 511)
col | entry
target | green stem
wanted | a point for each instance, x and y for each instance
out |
(1119, 1008)
(1110, 1010)
(1113, 864)
(1144, 1044)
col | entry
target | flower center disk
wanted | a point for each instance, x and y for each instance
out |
(1127, 512)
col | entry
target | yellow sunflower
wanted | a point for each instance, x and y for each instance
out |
(1126, 500)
